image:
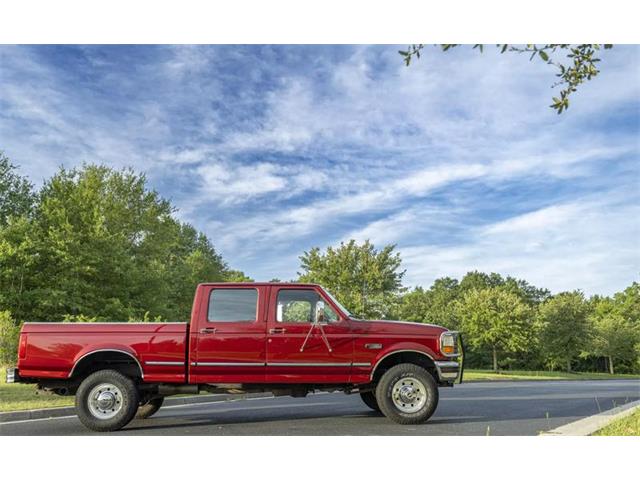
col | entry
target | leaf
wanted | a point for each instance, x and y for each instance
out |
(543, 55)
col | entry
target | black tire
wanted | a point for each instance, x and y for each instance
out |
(369, 398)
(126, 398)
(148, 409)
(384, 394)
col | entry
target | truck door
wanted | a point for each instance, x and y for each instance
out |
(301, 349)
(230, 336)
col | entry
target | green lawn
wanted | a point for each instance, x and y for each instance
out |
(629, 426)
(24, 397)
(489, 375)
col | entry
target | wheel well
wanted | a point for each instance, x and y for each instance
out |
(120, 361)
(417, 358)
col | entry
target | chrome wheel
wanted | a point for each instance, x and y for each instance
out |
(105, 401)
(409, 395)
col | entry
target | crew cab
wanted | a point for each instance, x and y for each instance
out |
(285, 338)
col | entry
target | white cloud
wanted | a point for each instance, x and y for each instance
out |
(588, 244)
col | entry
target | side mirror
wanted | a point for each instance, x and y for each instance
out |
(319, 311)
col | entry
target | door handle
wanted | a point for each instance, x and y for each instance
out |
(208, 330)
(277, 330)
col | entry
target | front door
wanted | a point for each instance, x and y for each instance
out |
(301, 350)
(230, 345)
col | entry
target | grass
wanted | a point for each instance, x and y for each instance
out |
(24, 397)
(628, 426)
(489, 375)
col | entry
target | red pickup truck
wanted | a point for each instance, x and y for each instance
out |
(286, 338)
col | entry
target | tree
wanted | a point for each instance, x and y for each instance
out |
(497, 319)
(9, 335)
(613, 336)
(236, 276)
(16, 192)
(100, 245)
(564, 328)
(578, 67)
(367, 281)
(435, 305)
(615, 328)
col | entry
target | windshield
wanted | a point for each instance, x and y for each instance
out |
(340, 306)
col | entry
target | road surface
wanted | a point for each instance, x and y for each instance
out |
(493, 408)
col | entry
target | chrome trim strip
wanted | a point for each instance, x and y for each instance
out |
(228, 364)
(153, 362)
(278, 364)
(394, 352)
(105, 350)
(304, 364)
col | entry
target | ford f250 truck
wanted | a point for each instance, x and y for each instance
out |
(285, 338)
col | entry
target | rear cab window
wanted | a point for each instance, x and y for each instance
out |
(233, 305)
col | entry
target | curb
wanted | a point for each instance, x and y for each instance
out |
(589, 425)
(169, 402)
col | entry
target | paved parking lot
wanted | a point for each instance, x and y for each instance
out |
(495, 408)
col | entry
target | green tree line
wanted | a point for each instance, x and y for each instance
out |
(506, 322)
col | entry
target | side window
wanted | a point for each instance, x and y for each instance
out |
(233, 305)
(298, 306)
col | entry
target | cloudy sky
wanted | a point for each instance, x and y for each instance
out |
(271, 150)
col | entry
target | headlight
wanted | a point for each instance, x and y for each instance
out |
(449, 344)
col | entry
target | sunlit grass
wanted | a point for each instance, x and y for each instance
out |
(490, 375)
(629, 426)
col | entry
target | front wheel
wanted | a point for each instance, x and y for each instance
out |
(149, 408)
(407, 394)
(106, 401)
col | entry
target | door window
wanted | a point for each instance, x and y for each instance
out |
(299, 306)
(233, 305)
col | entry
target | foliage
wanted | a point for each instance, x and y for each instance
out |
(236, 276)
(100, 246)
(365, 280)
(9, 334)
(16, 192)
(614, 334)
(564, 328)
(578, 67)
(497, 319)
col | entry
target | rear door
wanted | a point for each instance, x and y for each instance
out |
(299, 350)
(230, 337)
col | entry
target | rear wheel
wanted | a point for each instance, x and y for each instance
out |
(407, 394)
(106, 401)
(369, 398)
(151, 407)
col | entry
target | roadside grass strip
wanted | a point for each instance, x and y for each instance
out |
(600, 422)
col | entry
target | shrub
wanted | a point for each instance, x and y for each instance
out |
(9, 334)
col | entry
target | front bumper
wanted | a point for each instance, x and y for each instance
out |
(449, 371)
(12, 375)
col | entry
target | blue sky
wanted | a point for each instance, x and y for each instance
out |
(271, 150)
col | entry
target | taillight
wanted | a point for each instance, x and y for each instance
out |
(22, 348)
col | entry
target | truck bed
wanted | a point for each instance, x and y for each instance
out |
(52, 349)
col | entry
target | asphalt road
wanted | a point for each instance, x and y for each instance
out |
(505, 408)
